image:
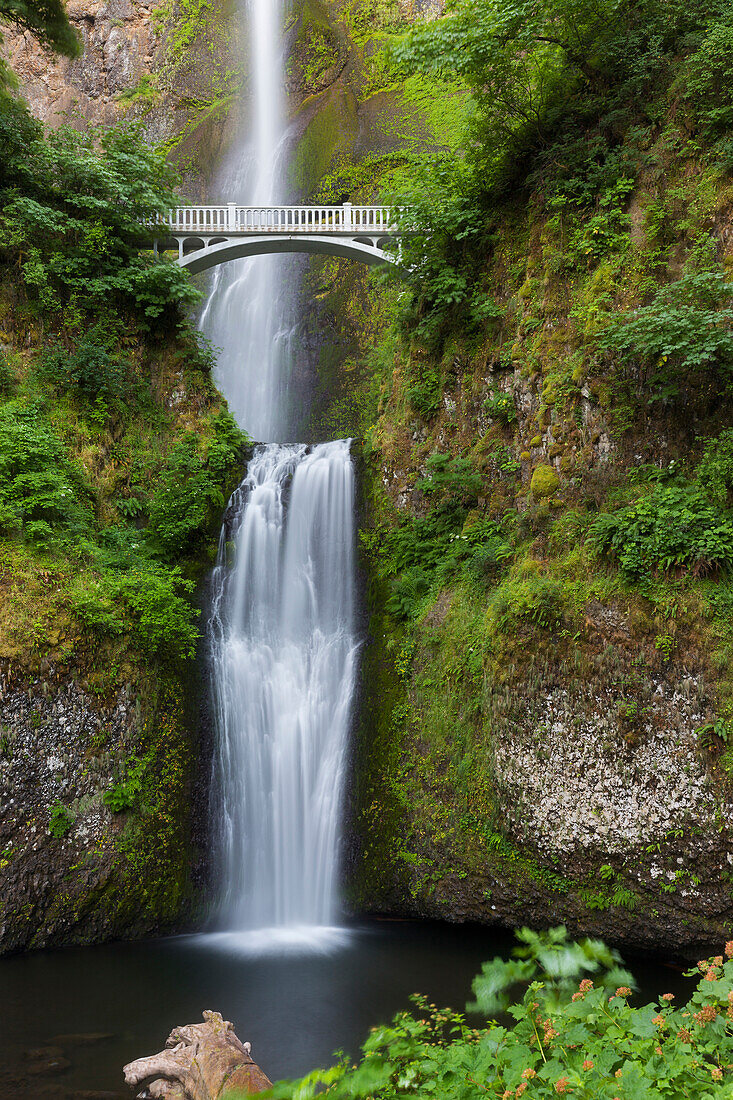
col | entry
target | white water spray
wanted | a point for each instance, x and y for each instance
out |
(250, 313)
(284, 650)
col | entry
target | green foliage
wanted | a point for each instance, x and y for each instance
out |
(706, 79)
(124, 795)
(42, 494)
(531, 599)
(147, 601)
(500, 406)
(451, 540)
(450, 482)
(424, 554)
(573, 1032)
(672, 527)
(91, 366)
(554, 84)
(61, 820)
(714, 472)
(707, 733)
(190, 487)
(71, 210)
(686, 328)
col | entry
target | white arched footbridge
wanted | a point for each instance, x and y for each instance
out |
(205, 236)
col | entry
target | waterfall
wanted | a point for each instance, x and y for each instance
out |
(282, 632)
(284, 652)
(250, 312)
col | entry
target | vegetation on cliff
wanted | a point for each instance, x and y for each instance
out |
(116, 456)
(546, 417)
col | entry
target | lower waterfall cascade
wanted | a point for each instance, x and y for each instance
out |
(284, 651)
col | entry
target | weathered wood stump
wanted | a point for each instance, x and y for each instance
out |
(201, 1062)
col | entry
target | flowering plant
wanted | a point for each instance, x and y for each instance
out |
(575, 1033)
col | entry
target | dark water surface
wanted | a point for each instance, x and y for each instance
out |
(296, 1007)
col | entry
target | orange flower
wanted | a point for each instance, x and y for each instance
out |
(668, 996)
(622, 991)
(529, 1073)
(562, 1086)
(684, 1035)
(729, 949)
(618, 1073)
(585, 985)
(578, 997)
(587, 1064)
(520, 1089)
(659, 1020)
(716, 1074)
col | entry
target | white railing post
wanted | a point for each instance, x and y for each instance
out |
(231, 216)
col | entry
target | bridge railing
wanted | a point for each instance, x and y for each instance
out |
(231, 218)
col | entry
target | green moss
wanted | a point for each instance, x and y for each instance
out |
(332, 131)
(545, 482)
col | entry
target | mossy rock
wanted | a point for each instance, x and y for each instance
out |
(545, 482)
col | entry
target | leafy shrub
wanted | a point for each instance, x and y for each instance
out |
(71, 210)
(61, 820)
(555, 85)
(688, 326)
(500, 406)
(715, 470)
(531, 599)
(707, 83)
(89, 367)
(408, 592)
(673, 527)
(452, 482)
(163, 619)
(424, 554)
(40, 489)
(569, 1029)
(123, 795)
(181, 506)
(148, 601)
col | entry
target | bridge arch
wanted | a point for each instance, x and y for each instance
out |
(196, 259)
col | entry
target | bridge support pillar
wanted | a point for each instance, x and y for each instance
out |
(347, 216)
(231, 215)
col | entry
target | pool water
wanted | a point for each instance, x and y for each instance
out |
(297, 998)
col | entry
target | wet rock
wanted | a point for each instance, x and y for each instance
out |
(36, 1054)
(49, 1066)
(83, 1039)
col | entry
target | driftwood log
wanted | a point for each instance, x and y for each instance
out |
(201, 1062)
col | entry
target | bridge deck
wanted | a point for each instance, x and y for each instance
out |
(231, 219)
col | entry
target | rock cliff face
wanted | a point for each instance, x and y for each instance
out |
(75, 865)
(54, 866)
(122, 43)
(146, 61)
